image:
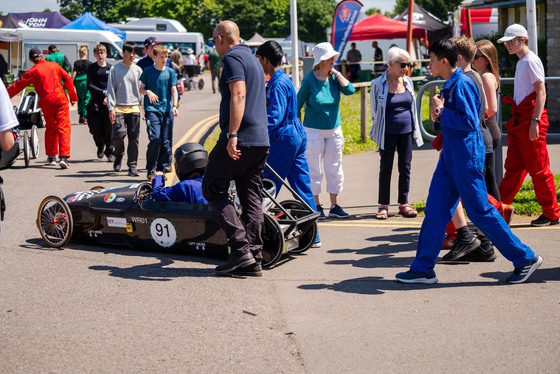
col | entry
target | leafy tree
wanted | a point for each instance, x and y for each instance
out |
(438, 8)
(314, 16)
(371, 11)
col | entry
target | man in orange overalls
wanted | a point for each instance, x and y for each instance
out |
(47, 78)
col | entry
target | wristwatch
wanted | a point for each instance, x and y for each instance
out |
(438, 110)
(535, 120)
(231, 135)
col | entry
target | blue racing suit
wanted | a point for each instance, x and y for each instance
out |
(186, 191)
(459, 175)
(288, 139)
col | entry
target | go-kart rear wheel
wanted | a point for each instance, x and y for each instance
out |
(307, 237)
(54, 221)
(26, 149)
(34, 142)
(273, 241)
(201, 84)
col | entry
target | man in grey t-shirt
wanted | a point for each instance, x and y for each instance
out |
(123, 101)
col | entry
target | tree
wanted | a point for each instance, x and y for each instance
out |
(438, 8)
(314, 16)
(371, 11)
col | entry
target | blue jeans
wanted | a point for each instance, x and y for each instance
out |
(160, 134)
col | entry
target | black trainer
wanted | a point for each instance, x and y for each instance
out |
(117, 164)
(254, 270)
(521, 274)
(460, 249)
(167, 169)
(151, 174)
(234, 263)
(543, 221)
(484, 253)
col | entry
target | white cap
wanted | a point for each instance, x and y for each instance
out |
(323, 51)
(512, 32)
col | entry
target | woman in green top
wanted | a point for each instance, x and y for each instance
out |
(320, 93)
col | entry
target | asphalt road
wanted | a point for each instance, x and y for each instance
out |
(336, 309)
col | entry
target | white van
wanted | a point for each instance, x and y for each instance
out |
(185, 40)
(68, 43)
(150, 24)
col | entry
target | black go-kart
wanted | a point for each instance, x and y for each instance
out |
(26, 144)
(128, 216)
(28, 112)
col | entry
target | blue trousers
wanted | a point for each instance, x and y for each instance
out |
(459, 174)
(160, 133)
(287, 158)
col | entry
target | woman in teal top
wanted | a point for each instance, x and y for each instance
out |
(320, 93)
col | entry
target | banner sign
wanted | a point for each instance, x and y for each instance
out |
(345, 17)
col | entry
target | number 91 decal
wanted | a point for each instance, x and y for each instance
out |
(163, 232)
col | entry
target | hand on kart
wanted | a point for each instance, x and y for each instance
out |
(232, 150)
(154, 99)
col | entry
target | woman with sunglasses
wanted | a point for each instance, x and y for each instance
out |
(395, 124)
(485, 62)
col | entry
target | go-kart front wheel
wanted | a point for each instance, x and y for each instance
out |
(200, 84)
(34, 142)
(273, 241)
(309, 234)
(54, 221)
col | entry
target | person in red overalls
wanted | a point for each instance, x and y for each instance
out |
(526, 130)
(47, 78)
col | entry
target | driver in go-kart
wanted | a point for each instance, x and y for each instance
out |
(190, 161)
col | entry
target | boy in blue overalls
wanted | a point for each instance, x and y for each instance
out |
(190, 161)
(459, 175)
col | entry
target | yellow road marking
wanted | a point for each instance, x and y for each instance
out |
(194, 134)
(416, 225)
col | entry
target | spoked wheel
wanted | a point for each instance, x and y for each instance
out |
(34, 142)
(200, 84)
(309, 234)
(273, 241)
(54, 221)
(26, 149)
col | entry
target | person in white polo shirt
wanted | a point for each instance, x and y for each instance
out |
(526, 130)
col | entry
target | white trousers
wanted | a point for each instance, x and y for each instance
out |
(325, 147)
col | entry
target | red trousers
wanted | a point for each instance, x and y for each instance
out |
(57, 127)
(527, 156)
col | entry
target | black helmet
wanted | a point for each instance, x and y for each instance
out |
(188, 158)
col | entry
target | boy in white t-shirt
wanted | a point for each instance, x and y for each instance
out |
(526, 130)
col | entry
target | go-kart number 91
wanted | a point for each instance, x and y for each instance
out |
(163, 232)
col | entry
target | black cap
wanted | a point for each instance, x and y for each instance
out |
(152, 40)
(52, 47)
(34, 52)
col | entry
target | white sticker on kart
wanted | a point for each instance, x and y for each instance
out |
(163, 232)
(116, 222)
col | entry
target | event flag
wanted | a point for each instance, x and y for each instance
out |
(345, 17)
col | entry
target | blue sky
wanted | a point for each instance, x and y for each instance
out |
(21, 6)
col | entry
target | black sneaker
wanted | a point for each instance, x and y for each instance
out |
(484, 253)
(523, 273)
(234, 263)
(111, 158)
(543, 221)
(167, 169)
(337, 212)
(413, 277)
(133, 172)
(51, 160)
(117, 164)
(460, 249)
(254, 270)
(63, 163)
(151, 174)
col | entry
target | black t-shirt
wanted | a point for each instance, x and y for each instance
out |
(239, 64)
(80, 66)
(97, 77)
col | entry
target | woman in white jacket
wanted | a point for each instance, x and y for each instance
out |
(395, 124)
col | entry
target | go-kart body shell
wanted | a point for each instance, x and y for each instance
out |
(120, 216)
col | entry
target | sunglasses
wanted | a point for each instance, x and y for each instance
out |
(478, 55)
(405, 64)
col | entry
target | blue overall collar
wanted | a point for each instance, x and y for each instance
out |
(276, 76)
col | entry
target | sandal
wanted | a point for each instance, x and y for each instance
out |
(382, 212)
(407, 211)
